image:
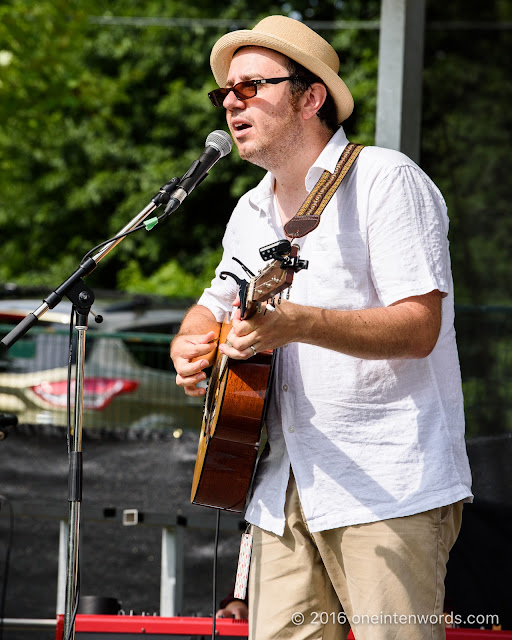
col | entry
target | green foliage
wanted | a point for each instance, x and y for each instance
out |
(95, 116)
(466, 144)
(99, 115)
(171, 279)
(485, 348)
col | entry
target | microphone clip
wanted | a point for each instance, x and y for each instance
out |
(166, 190)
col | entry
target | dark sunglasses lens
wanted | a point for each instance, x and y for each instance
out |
(217, 96)
(244, 90)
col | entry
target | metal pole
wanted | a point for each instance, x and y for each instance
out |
(62, 564)
(82, 298)
(75, 484)
(134, 222)
(399, 91)
(171, 577)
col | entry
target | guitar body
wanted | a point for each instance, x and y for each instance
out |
(233, 417)
(237, 395)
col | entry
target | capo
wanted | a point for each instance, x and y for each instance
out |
(246, 269)
(242, 286)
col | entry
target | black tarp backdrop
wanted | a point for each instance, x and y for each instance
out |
(154, 475)
(147, 473)
(480, 567)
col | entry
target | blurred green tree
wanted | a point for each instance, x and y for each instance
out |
(100, 106)
(97, 114)
(467, 123)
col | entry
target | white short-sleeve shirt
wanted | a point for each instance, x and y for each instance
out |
(367, 439)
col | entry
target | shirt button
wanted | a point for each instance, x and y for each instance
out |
(291, 429)
(285, 387)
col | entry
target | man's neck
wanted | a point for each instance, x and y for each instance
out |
(290, 178)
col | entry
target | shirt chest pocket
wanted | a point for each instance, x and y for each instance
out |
(337, 276)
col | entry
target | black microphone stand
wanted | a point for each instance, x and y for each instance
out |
(82, 298)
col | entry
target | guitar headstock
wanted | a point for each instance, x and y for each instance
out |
(271, 280)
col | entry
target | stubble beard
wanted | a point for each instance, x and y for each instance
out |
(272, 153)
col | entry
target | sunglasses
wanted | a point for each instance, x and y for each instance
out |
(242, 90)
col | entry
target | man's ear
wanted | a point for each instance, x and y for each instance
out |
(313, 99)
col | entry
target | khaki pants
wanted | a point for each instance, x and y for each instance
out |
(388, 576)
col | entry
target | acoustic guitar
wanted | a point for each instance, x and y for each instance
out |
(238, 394)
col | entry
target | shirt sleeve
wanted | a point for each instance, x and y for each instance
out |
(407, 235)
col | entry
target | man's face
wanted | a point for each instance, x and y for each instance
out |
(266, 126)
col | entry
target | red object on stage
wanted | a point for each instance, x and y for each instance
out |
(154, 625)
(477, 634)
(469, 634)
(225, 627)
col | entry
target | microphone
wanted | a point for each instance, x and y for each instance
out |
(218, 144)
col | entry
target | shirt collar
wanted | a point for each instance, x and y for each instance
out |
(328, 159)
(263, 191)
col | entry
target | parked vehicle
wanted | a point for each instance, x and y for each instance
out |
(129, 377)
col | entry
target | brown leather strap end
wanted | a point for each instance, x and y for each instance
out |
(298, 227)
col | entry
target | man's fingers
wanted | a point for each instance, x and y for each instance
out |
(209, 337)
(189, 383)
(236, 352)
(240, 343)
(191, 372)
(187, 353)
(194, 392)
(198, 350)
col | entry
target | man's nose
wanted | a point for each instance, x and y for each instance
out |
(232, 102)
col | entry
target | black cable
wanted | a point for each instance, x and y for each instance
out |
(113, 239)
(120, 236)
(215, 548)
(75, 609)
(162, 197)
(7, 562)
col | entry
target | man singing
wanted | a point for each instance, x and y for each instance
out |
(358, 496)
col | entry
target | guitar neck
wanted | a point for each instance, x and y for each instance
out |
(269, 282)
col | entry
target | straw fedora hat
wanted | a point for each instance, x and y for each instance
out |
(295, 40)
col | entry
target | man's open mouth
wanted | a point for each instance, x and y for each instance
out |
(241, 126)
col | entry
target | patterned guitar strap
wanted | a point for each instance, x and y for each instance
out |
(308, 216)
